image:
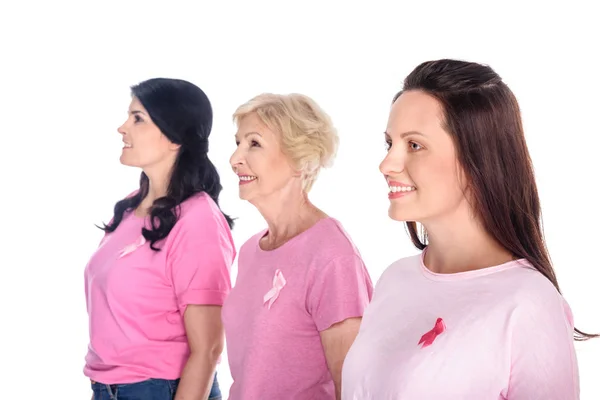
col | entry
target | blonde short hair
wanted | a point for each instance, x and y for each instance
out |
(307, 134)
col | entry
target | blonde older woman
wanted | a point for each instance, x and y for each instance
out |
(302, 286)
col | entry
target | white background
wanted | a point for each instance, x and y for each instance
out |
(66, 70)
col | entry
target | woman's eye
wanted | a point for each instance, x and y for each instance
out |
(254, 143)
(415, 146)
(388, 145)
(137, 118)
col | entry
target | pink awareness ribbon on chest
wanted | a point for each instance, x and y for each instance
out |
(278, 284)
(130, 248)
(428, 338)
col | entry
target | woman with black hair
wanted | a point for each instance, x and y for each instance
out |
(155, 286)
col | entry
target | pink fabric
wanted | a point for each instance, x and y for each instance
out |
(136, 297)
(506, 333)
(274, 348)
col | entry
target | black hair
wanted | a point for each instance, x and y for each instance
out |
(183, 113)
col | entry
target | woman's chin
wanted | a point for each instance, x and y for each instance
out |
(127, 161)
(400, 215)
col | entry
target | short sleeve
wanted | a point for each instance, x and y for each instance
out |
(543, 359)
(199, 259)
(340, 290)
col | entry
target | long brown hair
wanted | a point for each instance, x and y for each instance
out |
(484, 120)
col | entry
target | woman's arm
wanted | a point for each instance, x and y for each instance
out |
(199, 255)
(336, 300)
(205, 336)
(336, 342)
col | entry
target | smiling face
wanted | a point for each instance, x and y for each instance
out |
(259, 162)
(421, 165)
(144, 145)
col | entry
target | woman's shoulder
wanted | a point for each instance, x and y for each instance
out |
(200, 211)
(329, 238)
(199, 206)
(401, 270)
(534, 292)
(251, 245)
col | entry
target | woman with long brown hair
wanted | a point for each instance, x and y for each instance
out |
(478, 314)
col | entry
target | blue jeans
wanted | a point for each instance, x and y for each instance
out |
(151, 389)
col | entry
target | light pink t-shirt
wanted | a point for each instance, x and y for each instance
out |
(504, 333)
(136, 301)
(274, 347)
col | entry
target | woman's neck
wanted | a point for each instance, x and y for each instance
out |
(287, 217)
(459, 243)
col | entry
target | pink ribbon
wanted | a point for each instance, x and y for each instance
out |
(428, 338)
(130, 248)
(278, 284)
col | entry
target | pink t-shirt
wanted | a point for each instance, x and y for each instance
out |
(502, 332)
(273, 336)
(136, 297)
